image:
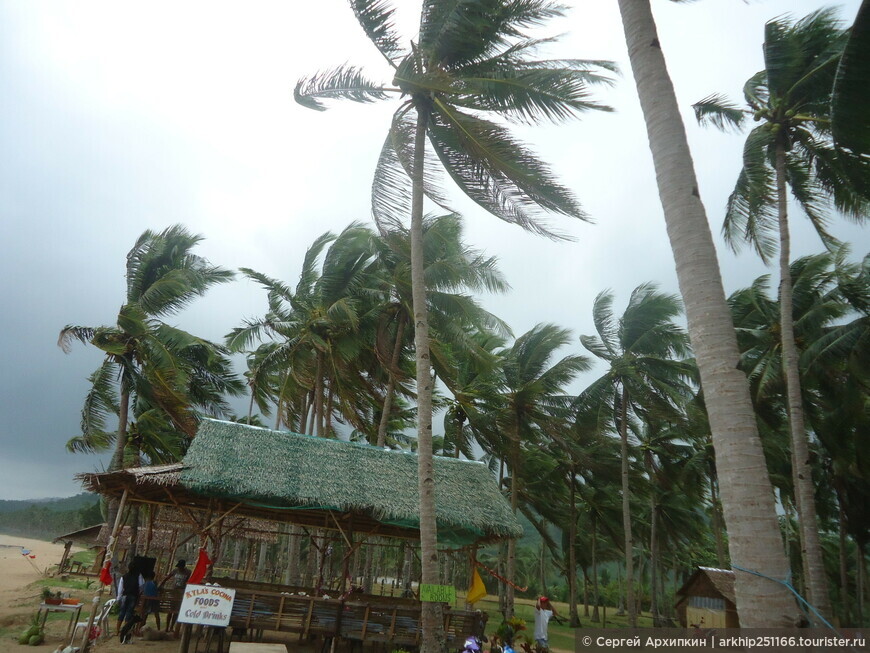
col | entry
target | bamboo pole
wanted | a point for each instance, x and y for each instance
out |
(110, 547)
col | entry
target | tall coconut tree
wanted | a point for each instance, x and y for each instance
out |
(452, 270)
(470, 59)
(646, 375)
(153, 374)
(791, 148)
(318, 326)
(147, 359)
(533, 395)
(747, 497)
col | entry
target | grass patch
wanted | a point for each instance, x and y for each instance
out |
(560, 636)
(87, 557)
(72, 583)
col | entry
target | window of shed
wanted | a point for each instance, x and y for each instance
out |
(707, 602)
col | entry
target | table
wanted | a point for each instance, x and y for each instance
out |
(253, 647)
(74, 610)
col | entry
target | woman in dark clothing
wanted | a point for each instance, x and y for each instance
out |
(128, 597)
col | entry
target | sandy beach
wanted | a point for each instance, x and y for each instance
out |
(20, 599)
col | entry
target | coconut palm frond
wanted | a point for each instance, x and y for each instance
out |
(70, 333)
(842, 176)
(717, 111)
(101, 402)
(750, 214)
(345, 82)
(497, 171)
(528, 95)
(376, 17)
(458, 32)
(90, 443)
(851, 93)
(755, 91)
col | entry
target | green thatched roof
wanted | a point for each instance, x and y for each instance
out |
(285, 470)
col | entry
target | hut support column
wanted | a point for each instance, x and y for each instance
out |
(109, 550)
(66, 547)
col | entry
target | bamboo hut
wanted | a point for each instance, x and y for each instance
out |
(707, 600)
(249, 474)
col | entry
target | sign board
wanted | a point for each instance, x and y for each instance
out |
(438, 593)
(208, 605)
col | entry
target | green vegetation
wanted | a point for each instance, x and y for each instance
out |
(50, 518)
(670, 458)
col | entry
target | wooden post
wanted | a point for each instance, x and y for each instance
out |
(184, 642)
(109, 550)
(66, 547)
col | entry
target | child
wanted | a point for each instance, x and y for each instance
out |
(150, 600)
(544, 611)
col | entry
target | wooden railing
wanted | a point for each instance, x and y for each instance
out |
(358, 619)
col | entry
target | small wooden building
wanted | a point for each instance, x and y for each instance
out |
(707, 600)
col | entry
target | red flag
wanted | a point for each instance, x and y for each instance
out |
(105, 576)
(201, 567)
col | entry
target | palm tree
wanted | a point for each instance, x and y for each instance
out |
(533, 396)
(318, 325)
(154, 375)
(452, 268)
(747, 497)
(791, 147)
(470, 58)
(645, 377)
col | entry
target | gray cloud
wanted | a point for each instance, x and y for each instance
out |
(115, 118)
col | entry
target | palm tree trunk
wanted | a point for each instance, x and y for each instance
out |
(585, 592)
(620, 600)
(844, 574)
(755, 541)
(512, 543)
(716, 509)
(432, 625)
(542, 568)
(117, 461)
(328, 411)
(318, 397)
(572, 554)
(251, 404)
(859, 584)
(391, 384)
(802, 473)
(626, 512)
(654, 563)
(595, 594)
(121, 437)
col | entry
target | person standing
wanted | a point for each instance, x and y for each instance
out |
(150, 600)
(178, 576)
(177, 581)
(544, 611)
(129, 590)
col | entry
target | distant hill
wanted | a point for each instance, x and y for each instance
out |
(48, 518)
(76, 502)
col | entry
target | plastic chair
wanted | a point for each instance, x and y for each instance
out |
(101, 620)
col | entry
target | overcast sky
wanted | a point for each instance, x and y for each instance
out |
(116, 117)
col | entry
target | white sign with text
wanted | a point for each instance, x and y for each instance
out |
(208, 605)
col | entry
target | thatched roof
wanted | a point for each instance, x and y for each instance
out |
(297, 478)
(722, 581)
(88, 537)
